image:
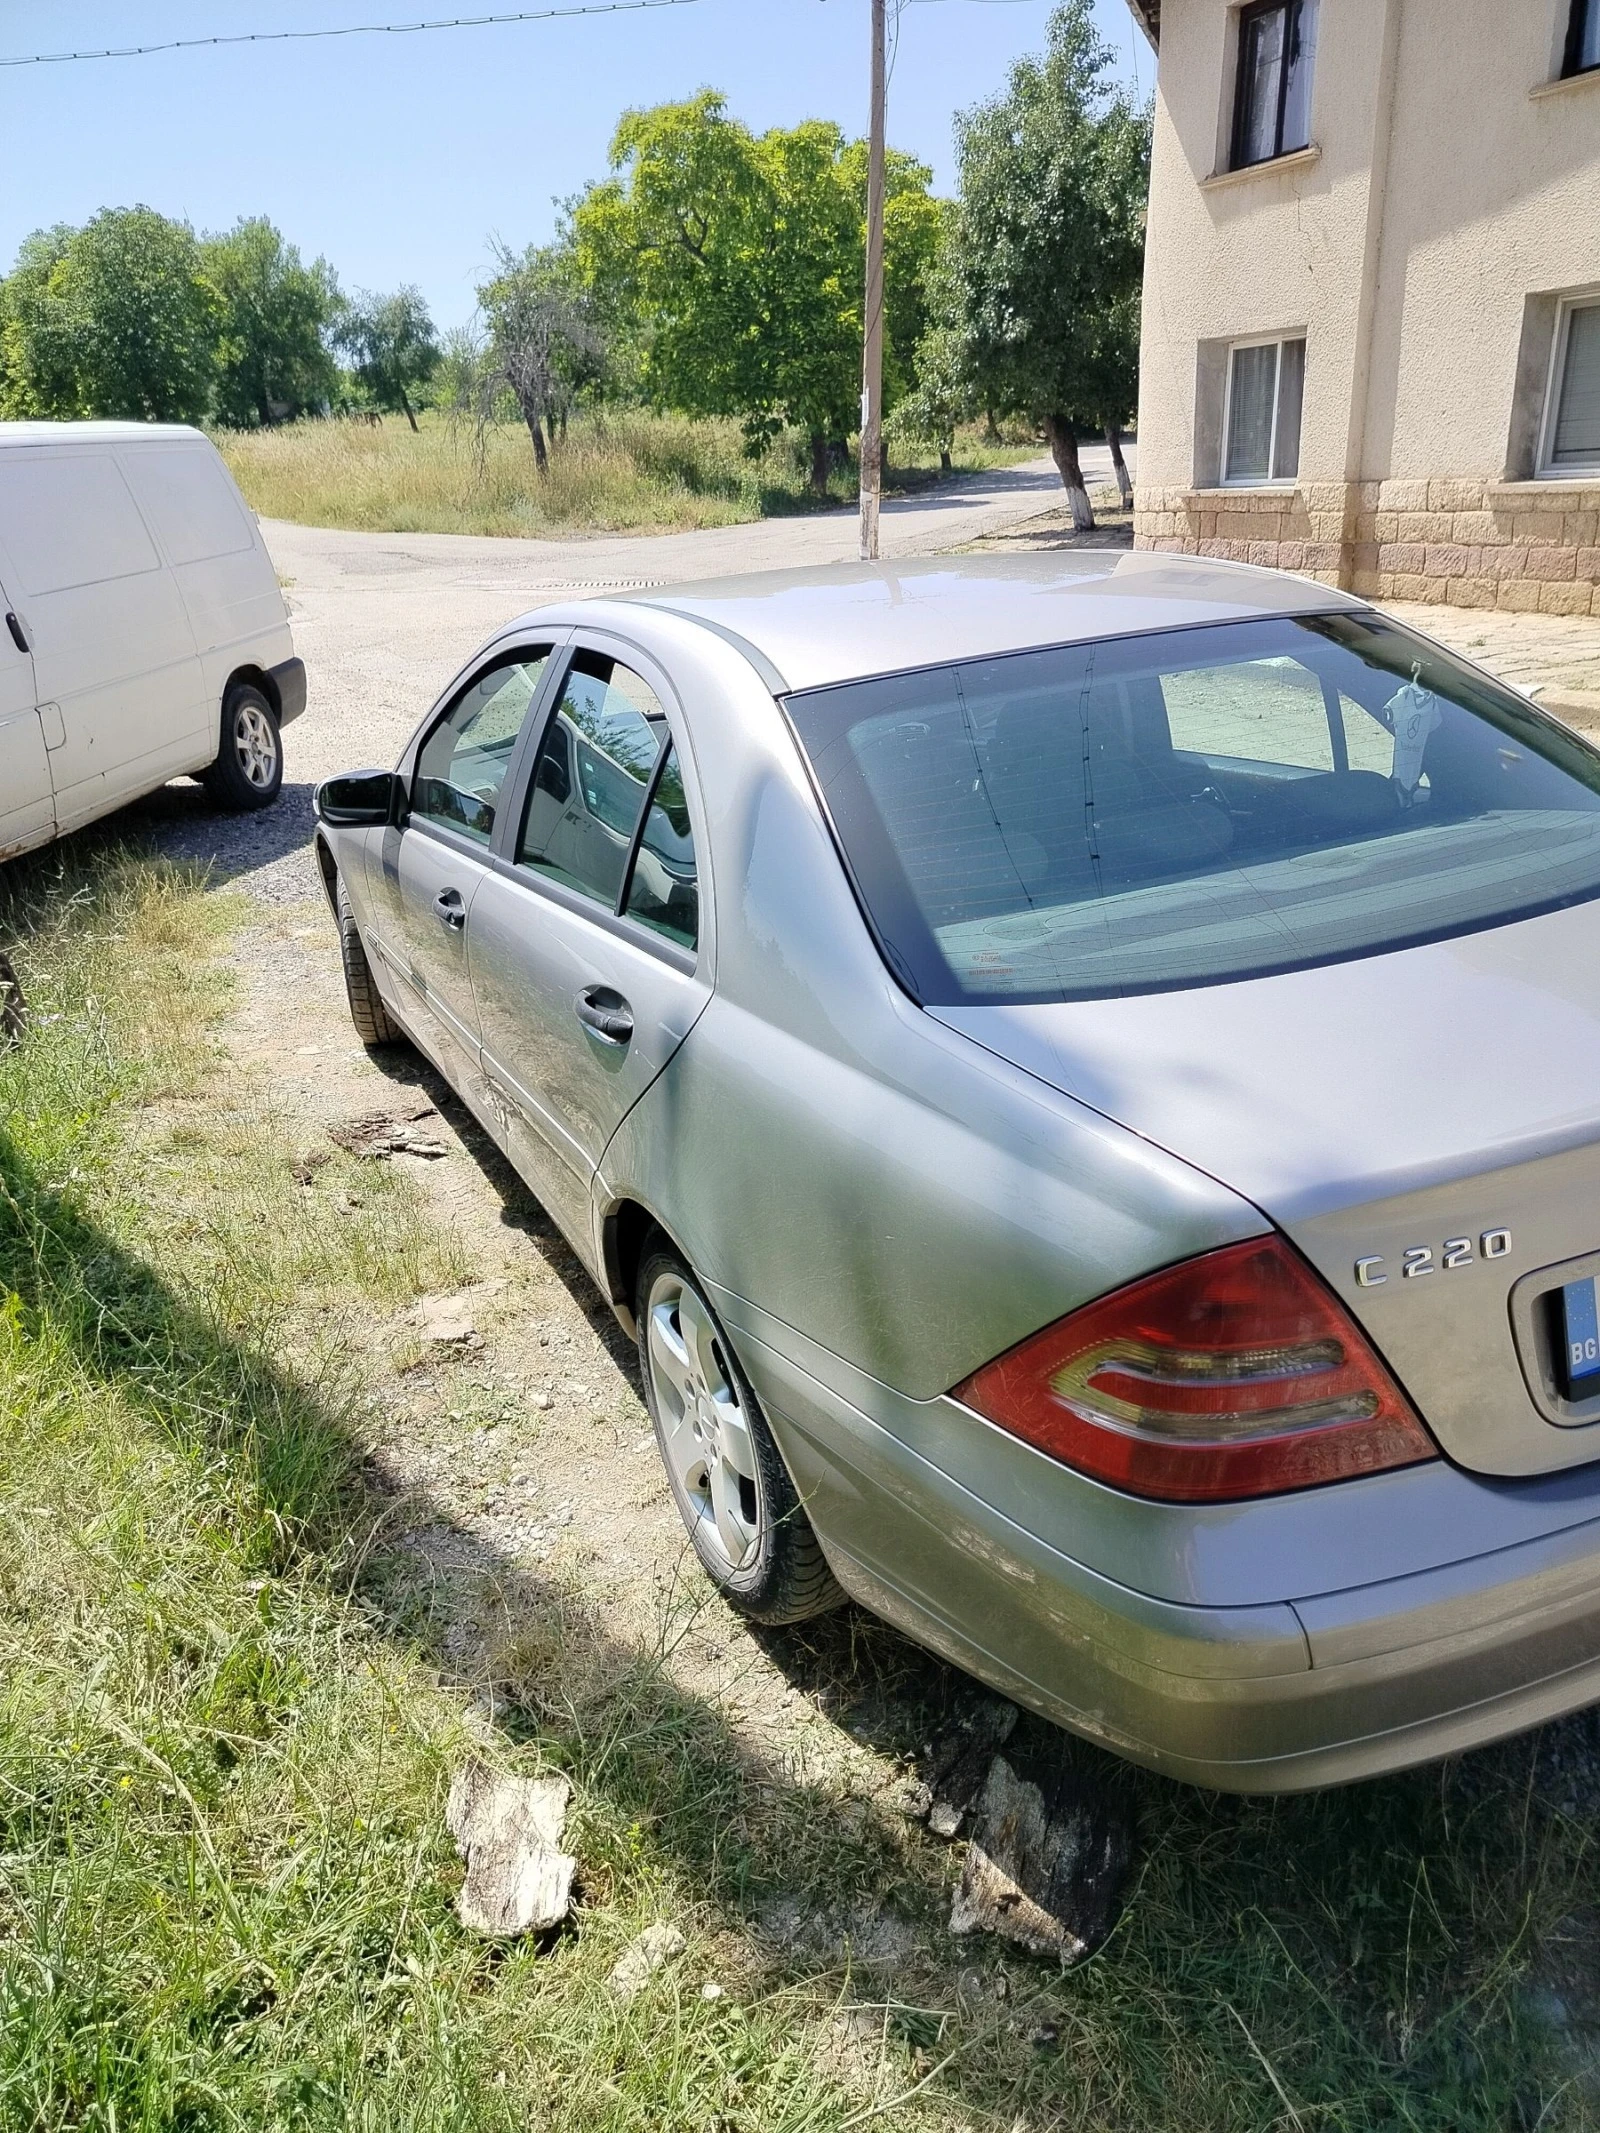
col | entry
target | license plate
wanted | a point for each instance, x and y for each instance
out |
(1580, 1331)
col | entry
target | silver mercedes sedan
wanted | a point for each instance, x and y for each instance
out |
(1083, 1076)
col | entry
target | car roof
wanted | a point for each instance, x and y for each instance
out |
(92, 432)
(807, 629)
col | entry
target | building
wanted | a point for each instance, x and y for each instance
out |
(1371, 343)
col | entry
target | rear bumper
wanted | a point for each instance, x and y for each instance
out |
(1281, 1697)
(289, 679)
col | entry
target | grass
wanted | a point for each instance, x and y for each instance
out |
(227, 1723)
(624, 471)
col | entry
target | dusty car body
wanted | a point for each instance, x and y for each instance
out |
(1322, 1020)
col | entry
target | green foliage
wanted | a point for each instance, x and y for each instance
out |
(272, 358)
(739, 260)
(391, 342)
(116, 318)
(1047, 246)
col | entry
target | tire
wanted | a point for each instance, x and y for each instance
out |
(374, 1024)
(733, 1491)
(248, 772)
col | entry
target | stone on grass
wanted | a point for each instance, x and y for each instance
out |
(959, 1759)
(508, 1829)
(381, 1133)
(1046, 1874)
(642, 1958)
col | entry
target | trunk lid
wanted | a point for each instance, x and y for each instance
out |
(1398, 1104)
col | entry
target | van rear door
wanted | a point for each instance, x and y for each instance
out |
(217, 556)
(27, 814)
(112, 646)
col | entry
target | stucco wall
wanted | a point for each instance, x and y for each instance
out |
(1439, 196)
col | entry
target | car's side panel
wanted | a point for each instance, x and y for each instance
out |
(27, 812)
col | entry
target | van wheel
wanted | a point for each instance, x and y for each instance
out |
(374, 1024)
(248, 771)
(728, 1479)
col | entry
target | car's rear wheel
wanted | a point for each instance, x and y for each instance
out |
(728, 1479)
(248, 771)
(374, 1024)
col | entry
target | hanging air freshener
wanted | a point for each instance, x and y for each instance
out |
(1414, 716)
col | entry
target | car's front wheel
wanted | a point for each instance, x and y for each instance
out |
(374, 1024)
(248, 771)
(728, 1478)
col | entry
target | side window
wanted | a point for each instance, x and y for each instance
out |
(1268, 711)
(664, 889)
(464, 761)
(590, 777)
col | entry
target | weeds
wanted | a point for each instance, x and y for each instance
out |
(617, 471)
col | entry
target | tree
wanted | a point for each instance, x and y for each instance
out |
(1048, 242)
(391, 343)
(739, 260)
(116, 319)
(543, 343)
(272, 354)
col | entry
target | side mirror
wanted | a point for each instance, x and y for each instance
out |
(361, 799)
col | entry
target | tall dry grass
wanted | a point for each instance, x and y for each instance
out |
(620, 471)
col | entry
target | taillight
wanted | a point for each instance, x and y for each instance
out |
(1234, 1374)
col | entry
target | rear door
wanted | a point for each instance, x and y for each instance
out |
(112, 646)
(589, 955)
(429, 873)
(27, 816)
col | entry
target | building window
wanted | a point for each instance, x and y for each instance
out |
(1261, 427)
(1572, 417)
(1583, 37)
(1272, 102)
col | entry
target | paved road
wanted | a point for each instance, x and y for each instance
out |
(383, 620)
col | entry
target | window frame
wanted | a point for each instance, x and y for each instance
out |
(1269, 480)
(519, 786)
(1546, 468)
(1254, 11)
(1573, 67)
(554, 646)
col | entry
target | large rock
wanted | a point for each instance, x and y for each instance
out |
(1046, 1873)
(508, 1829)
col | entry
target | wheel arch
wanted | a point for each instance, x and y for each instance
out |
(625, 1233)
(257, 678)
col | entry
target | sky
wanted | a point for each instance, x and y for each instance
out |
(398, 158)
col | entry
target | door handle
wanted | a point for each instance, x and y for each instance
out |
(19, 636)
(449, 910)
(606, 1013)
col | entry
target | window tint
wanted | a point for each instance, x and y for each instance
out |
(1575, 439)
(1266, 389)
(68, 519)
(464, 761)
(589, 780)
(663, 891)
(190, 501)
(1183, 809)
(1277, 57)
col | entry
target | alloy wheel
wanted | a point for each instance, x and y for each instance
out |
(705, 1434)
(256, 745)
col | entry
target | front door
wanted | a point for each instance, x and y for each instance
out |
(586, 949)
(112, 647)
(430, 872)
(27, 816)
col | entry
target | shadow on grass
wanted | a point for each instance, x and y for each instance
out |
(1353, 1959)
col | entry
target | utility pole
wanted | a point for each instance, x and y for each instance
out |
(872, 364)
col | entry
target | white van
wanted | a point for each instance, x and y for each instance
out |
(144, 634)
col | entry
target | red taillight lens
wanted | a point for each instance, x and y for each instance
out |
(1235, 1374)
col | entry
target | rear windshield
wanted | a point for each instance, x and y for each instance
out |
(1196, 806)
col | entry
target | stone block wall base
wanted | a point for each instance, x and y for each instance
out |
(1529, 546)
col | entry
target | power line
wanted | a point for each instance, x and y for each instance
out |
(348, 29)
